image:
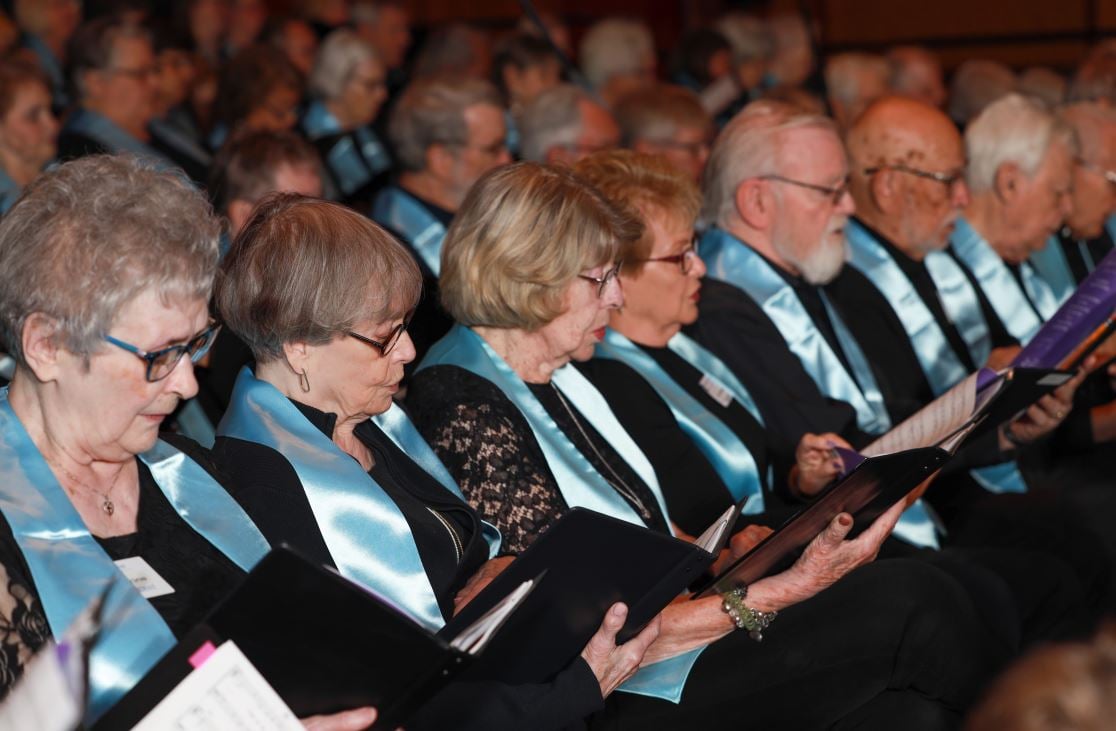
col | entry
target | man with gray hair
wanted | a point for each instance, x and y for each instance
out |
(617, 56)
(1087, 236)
(853, 81)
(1020, 176)
(446, 135)
(563, 125)
(778, 202)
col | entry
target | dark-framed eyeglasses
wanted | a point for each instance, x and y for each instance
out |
(388, 342)
(602, 281)
(947, 179)
(161, 363)
(835, 193)
(685, 259)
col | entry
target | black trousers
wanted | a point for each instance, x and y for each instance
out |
(895, 644)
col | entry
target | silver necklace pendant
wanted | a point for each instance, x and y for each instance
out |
(107, 505)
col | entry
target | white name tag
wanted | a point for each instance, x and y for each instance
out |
(716, 390)
(146, 580)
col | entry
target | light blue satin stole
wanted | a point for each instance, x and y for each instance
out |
(70, 568)
(98, 127)
(1001, 288)
(352, 163)
(731, 458)
(579, 482)
(942, 367)
(1052, 265)
(731, 260)
(961, 304)
(365, 532)
(400, 212)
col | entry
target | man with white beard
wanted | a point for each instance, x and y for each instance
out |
(777, 203)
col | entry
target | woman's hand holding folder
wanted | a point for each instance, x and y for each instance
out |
(612, 663)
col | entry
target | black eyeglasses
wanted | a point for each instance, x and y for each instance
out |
(602, 282)
(684, 260)
(388, 342)
(160, 363)
(946, 179)
(835, 193)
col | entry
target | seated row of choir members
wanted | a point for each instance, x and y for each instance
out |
(526, 436)
(321, 294)
(107, 272)
(28, 128)
(778, 236)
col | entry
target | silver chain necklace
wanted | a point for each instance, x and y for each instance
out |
(619, 485)
(106, 502)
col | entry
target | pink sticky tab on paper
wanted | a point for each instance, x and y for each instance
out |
(202, 654)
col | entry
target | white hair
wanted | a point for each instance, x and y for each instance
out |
(612, 47)
(1015, 129)
(552, 119)
(976, 84)
(341, 52)
(749, 147)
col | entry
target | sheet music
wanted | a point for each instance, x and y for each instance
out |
(934, 423)
(226, 693)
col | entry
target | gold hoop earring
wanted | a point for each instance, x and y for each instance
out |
(303, 381)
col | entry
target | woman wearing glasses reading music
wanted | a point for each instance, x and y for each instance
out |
(529, 270)
(106, 267)
(321, 458)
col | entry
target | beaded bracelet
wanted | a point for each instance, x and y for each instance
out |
(745, 617)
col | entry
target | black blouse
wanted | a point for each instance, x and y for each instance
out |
(694, 492)
(199, 573)
(269, 490)
(487, 444)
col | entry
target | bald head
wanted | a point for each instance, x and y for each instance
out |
(915, 192)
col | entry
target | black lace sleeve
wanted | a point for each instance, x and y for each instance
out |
(23, 625)
(487, 445)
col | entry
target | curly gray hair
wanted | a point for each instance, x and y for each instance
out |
(90, 236)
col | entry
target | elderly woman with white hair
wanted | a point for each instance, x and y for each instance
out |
(105, 272)
(529, 270)
(349, 85)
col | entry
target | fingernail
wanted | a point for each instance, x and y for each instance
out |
(844, 520)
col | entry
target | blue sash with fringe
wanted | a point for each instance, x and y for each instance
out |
(365, 532)
(581, 485)
(70, 569)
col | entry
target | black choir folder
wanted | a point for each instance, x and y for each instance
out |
(591, 561)
(324, 643)
(872, 487)
(327, 644)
